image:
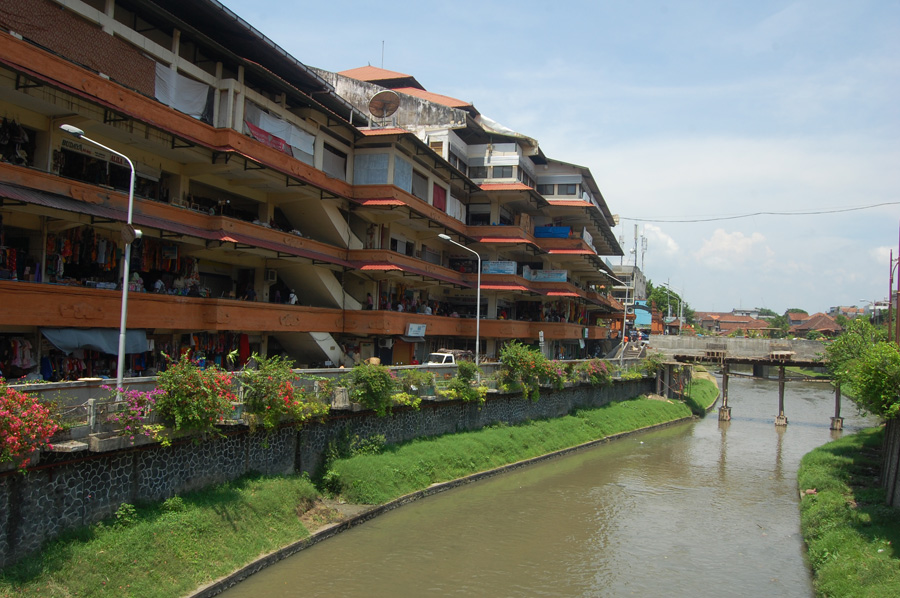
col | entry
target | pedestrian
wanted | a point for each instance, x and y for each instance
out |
(369, 301)
(292, 298)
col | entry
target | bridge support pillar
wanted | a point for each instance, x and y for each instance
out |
(781, 418)
(837, 422)
(724, 410)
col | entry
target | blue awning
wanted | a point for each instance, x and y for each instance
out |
(105, 340)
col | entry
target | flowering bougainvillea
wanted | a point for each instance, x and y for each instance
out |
(133, 409)
(596, 372)
(25, 426)
(271, 395)
(523, 367)
(194, 398)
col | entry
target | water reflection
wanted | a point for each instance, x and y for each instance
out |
(703, 509)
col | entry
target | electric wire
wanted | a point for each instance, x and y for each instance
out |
(764, 213)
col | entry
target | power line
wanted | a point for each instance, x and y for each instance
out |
(739, 216)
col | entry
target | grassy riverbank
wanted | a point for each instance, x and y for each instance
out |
(401, 469)
(170, 549)
(853, 539)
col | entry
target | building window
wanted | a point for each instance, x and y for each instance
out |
(334, 163)
(370, 169)
(567, 189)
(478, 172)
(439, 197)
(419, 185)
(458, 163)
(546, 189)
(503, 172)
(524, 178)
(437, 147)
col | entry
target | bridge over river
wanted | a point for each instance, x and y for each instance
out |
(761, 354)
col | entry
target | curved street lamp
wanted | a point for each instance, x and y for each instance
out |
(477, 297)
(129, 234)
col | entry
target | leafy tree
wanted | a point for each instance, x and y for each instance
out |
(767, 313)
(868, 367)
(796, 310)
(663, 298)
(876, 385)
(780, 325)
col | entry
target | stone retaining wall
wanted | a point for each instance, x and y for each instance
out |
(69, 490)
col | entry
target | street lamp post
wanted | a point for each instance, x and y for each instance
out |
(624, 317)
(477, 297)
(680, 304)
(129, 234)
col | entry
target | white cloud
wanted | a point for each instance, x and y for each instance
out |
(724, 251)
(658, 239)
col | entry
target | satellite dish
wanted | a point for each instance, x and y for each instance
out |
(384, 103)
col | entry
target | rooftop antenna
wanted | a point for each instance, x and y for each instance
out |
(622, 244)
(643, 250)
(382, 53)
(383, 104)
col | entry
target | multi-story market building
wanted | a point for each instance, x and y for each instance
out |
(281, 209)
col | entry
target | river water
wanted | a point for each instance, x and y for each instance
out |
(698, 509)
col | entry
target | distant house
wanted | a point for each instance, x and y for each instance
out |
(724, 323)
(822, 323)
(751, 312)
(846, 311)
(796, 318)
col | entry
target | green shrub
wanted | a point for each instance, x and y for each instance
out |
(372, 385)
(413, 381)
(126, 515)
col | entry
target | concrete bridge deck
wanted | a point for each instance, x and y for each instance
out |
(760, 353)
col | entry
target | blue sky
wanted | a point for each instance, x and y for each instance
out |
(682, 110)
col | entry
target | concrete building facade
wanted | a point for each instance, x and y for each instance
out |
(278, 213)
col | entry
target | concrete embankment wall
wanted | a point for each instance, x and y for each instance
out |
(66, 491)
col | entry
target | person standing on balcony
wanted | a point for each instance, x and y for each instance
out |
(292, 298)
(369, 301)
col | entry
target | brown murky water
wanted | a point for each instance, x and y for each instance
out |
(702, 509)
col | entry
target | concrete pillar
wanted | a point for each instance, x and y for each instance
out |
(781, 419)
(837, 422)
(724, 410)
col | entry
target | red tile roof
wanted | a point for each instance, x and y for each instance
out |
(372, 73)
(387, 131)
(578, 203)
(381, 202)
(434, 97)
(819, 322)
(501, 240)
(504, 287)
(505, 187)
